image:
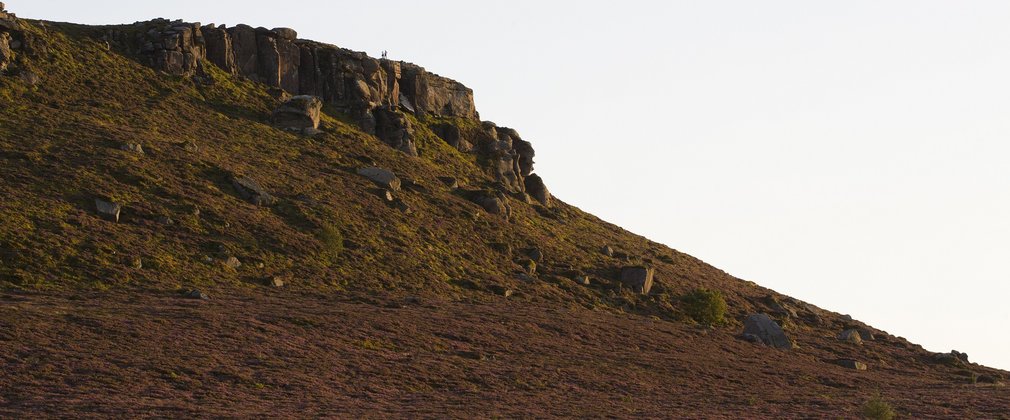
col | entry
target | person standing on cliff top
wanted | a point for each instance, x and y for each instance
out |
(384, 53)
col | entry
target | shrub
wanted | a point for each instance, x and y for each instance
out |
(705, 306)
(878, 409)
(332, 240)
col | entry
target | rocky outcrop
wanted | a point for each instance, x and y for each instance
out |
(10, 32)
(298, 113)
(393, 128)
(177, 48)
(375, 93)
(638, 278)
(535, 188)
(761, 328)
(381, 177)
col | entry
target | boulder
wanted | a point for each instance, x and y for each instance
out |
(536, 255)
(195, 294)
(251, 191)
(766, 330)
(108, 210)
(382, 177)
(851, 336)
(638, 278)
(493, 205)
(133, 148)
(851, 364)
(535, 187)
(607, 250)
(298, 113)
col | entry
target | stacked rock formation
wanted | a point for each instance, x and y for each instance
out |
(376, 93)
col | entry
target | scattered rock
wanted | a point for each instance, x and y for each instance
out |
(502, 247)
(536, 255)
(607, 250)
(276, 281)
(388, 196)
(865, 334)
(449, 181)
(232, 262)
(638, 278)
(108, 210)
(137, 263)
(583, 280)
(851, 364)
(165, 220)
(767, 331)
(402, 206)
(298, 113)
(382, 177)
(491, 204)
(851, 336)
(251, 191)
(195, 294)
(132, 148)
(311, 132)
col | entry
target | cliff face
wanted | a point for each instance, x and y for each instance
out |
(376, 93)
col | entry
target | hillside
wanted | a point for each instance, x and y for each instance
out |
(366, 245)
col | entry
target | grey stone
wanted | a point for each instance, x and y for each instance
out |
(851, 336)
(108, 210)
(638, 278)
(133, 148)
(535, 187)
(196, 294)
(298, 113)
(767, 331)
(607, 250)
(251, 191)
(536, 255)
(383, 177)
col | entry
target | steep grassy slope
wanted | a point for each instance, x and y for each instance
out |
(333, 236)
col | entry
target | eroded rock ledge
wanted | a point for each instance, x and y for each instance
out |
(374, 92)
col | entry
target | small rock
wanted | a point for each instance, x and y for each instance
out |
(137, 263)
(502, 247)
(251, 191)
(449, 181)
(165, 220)
(387, 195)
(583, 280)
(132, 148)
(232, 262)
(507, 293)
(536, 255)
(851, 364)
(403, 207)
(638, 278)
(382, 177)
(851, 336)
(276, 281)
(108, 210)
(767, 331)
(195, 294)
(311, 131)
(607, 250)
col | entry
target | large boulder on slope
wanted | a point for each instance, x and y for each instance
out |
(638, 278)
(766, 330)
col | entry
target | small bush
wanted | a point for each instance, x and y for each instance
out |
(878, 409)
(332, 240)
(705, 306)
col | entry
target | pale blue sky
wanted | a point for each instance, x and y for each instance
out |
(852, 154)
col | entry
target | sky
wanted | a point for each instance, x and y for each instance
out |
(853, 154)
